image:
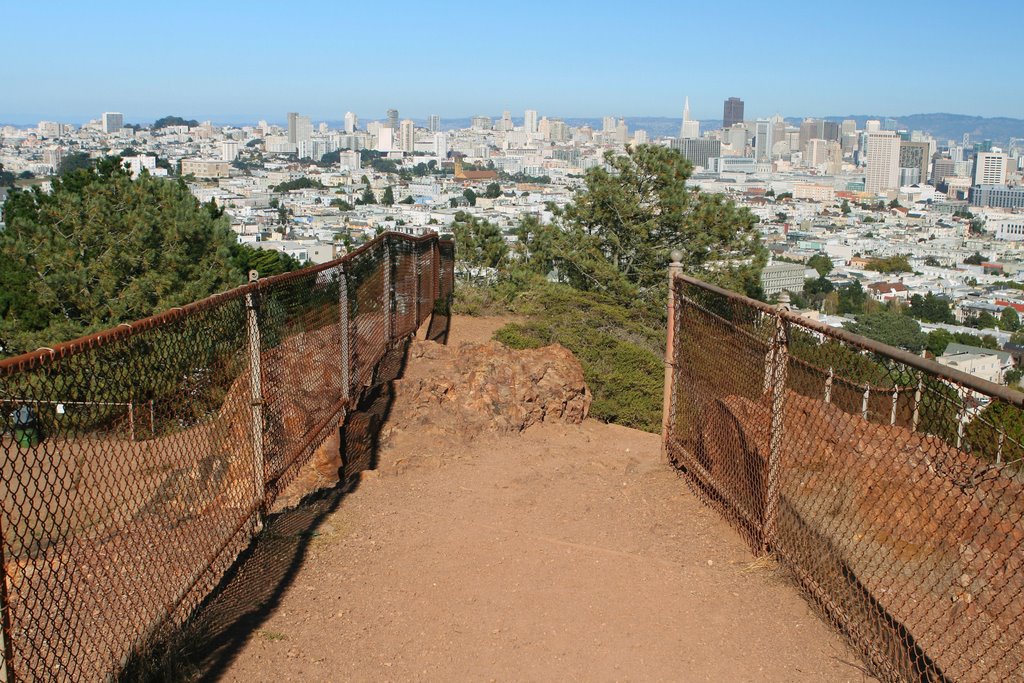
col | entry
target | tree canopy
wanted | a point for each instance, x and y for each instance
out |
(930, 309)
(102, 249)
(626, 219)
(891, 264)
(821, 263)
(479, 242)
(302, 183)
(890, 328)
(167, 121)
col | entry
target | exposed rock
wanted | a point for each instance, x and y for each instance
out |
(489, 387)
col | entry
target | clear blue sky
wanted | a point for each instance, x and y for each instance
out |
(241, 61)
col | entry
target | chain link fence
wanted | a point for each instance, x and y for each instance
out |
(889, 485)
(137, 463)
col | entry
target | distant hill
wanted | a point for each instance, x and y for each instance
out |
(946, 126)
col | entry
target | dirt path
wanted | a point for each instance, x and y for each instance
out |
(563, 553)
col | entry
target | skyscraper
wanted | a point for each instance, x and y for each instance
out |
(393, 119)
(407, 136)
(883, 172)
(112, 121)
(732, 112)
(763, 140)
(300, 128)
(435, 123)
(915, 155)
(530, 121)
(351, 122)
(690, 129)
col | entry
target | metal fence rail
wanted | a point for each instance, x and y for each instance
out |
(136, 463)
(888, 484)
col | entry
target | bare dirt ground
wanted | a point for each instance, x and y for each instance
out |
(567, 552)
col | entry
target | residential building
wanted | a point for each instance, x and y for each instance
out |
(1010, 228)
(393, 119)
(407, 136)
(434, 123)
(530, 121)
(112, 121)
(205, 168)
(780, 276)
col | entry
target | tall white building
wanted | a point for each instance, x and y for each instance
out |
(990, 168)
(385, 138)
(440, 145)
(228, 150)
(530, 121)
(435, 123)
(690, 128)
(883, 172)
(351, 122)
(112, 121)
(407, 136)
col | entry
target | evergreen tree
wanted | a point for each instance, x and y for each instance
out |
(624, 222)
(101, 249)
(478, 242)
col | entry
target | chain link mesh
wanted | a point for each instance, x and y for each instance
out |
(889, 485)
(136, 462)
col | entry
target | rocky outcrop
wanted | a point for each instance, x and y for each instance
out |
(489, 387)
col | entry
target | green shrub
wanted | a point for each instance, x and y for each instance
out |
(619, 348)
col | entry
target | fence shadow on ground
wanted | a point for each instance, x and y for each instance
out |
(252, 589)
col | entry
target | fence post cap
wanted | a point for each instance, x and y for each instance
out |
(677, 257)
(254, 275)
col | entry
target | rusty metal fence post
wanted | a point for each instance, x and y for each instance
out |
(388, 299)
(779, 356)
(7, 663)
(343, 323)
(255, 394)
(674, 268)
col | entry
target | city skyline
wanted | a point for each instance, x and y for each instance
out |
(225, 64)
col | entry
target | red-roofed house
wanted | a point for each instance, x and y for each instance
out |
(887, 291)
